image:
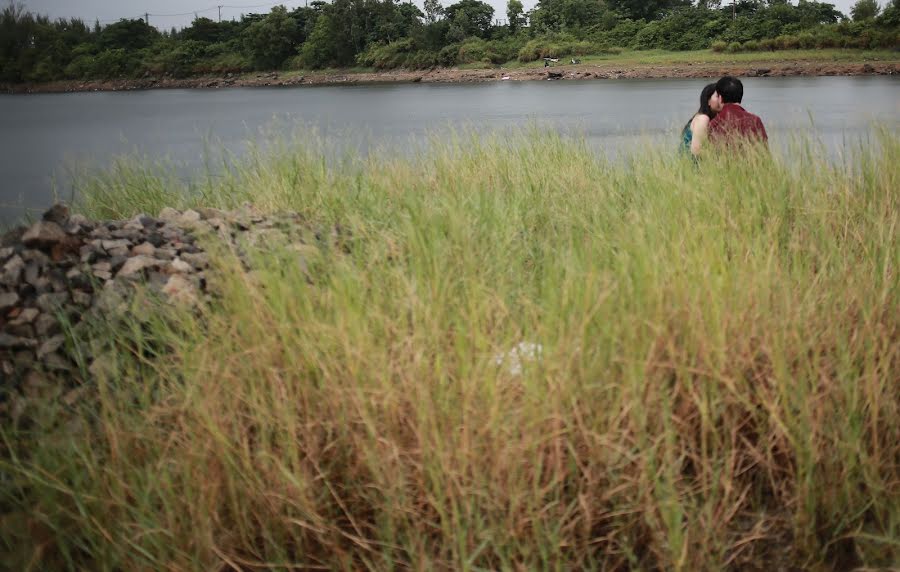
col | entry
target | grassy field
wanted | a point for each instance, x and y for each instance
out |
(673, 58)
(669, 58)
(710, 379)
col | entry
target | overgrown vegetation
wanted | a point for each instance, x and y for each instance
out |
(387, 34)
(716, 388)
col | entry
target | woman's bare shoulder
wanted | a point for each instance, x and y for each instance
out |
(701, 119)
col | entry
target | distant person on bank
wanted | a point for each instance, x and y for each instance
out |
(734, 124)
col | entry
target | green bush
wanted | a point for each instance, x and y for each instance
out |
(767, 44)
(751, 46)
(719, 46)
(734, 48)
(386, 56)
(806, 41)
(448, 55)
(787, 42)
(560, 46)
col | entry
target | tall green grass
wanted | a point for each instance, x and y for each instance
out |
(717, 386)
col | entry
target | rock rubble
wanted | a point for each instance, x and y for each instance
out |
(65, 269)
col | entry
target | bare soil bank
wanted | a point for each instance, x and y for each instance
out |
(601, 71)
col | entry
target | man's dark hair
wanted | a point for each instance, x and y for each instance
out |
(731, 89)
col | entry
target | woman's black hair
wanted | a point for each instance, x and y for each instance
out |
(705, 109)
(707, 93)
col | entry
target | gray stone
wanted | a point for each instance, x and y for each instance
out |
(52, 302)
(8, 342)
(135, 265)
(56, 362)
(210, 213)
(128, 233)
(115, 244)
(58, 213)
(112, 298)
(78, 224)
(100, 233)
(102, 266)
(180, 290)
(197, 260)
(8, 300)
(47, 325)
(50, 346)
(19, 329)
(12, 237)
(156, 239)
(36, 256)
(180, 266)
(103, 274)
(168, 215)
(35, 385)
(88, 254)
(189, 218)
(12, 271)
(144, 249)
(6, 253)
(81, 298)
(117, 261)
(43, 234)
(41, 286)
(27, 316)
(165, 253)
(122, 251)
(32, 273)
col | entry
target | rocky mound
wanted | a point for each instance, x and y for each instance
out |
(65, 269)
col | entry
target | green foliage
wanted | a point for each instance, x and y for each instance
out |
(385, 34)
(864, 10)
(515, 15)
(557, 46)
(272, 40)
(470, 18)
(320, 48)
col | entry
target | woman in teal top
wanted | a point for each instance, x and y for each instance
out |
(694, 134)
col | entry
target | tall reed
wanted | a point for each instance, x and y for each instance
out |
(711, 380)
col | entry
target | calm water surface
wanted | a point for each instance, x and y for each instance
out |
(41, 134)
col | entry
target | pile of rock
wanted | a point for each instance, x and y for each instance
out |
(65, 269)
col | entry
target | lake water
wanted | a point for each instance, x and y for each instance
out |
(41, 134)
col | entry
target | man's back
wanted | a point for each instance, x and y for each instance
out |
(736, 122)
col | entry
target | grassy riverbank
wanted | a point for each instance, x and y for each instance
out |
(709, 379)
(699, 57)
(628, 64)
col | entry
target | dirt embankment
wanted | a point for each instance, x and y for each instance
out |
(602, 71)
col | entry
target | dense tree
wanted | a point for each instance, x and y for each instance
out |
(515, 15)
(864, 10)
(273, 39)
(387, 34)
(472, 17)
(645, 9)
(127, 35)
(433, 11)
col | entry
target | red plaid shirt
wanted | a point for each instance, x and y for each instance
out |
(734, 122)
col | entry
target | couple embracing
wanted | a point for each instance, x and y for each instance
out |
(721, 119)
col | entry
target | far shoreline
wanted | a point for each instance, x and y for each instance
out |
(601, 70)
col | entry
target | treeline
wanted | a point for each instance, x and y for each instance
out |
(386, 34)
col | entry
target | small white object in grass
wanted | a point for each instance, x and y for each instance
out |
(515, 359)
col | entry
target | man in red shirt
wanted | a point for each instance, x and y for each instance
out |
(735, 124)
